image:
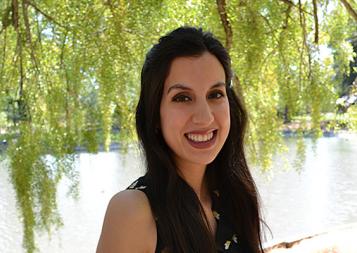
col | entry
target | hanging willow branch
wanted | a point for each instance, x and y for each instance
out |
(15, 20)
(20, 101)
(285, 27)
(349, 9)
(304, 39)
(3, 57)
(28, 34)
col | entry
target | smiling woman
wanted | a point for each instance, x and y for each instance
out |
(194, 112)
(198, 194)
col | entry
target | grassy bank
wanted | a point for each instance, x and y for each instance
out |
(338, 240)
(330, 124)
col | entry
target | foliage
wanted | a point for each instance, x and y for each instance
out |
(352, 117)
(69, 75)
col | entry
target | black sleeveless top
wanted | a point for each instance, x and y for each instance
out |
(226, 239)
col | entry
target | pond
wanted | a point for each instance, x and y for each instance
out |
(319, 197)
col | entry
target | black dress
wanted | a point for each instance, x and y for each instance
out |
(226, 239)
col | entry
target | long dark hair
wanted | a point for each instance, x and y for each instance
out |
(181, 222)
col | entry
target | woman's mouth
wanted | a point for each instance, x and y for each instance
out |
(202, 141)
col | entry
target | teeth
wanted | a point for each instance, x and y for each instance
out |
(200, 137)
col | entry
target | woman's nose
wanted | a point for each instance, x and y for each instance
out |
(202, 114)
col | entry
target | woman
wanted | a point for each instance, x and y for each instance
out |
(197, 194)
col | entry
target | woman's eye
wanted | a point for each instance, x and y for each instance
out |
(181, 98)
(216, 95)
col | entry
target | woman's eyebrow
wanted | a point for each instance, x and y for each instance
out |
(184, 87)
(218, 84)
(178, 86)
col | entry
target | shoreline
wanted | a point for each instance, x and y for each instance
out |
(340, 239)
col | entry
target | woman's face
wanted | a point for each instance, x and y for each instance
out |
(194, 110)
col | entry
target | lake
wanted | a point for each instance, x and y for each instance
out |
(319, 197)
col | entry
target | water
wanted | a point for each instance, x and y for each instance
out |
(321, 196)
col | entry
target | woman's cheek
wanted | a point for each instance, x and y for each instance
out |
(223, 116)
(174, 118)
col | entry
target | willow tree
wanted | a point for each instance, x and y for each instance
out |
(69, 75)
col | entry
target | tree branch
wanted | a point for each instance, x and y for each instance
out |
(62, 51)
(26, 21)
(316, 22)
(272, 30)
(48, 17)
(221, 5)
(349, 9)
(15, 14)
(305, 45)
(290, 3)
(287, 15)
(15, 20)
(38, 30)
(28, 32)
(282, 35)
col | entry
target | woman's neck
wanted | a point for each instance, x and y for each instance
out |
(194, 175)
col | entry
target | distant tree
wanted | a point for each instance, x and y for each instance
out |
(349, 79)
(69, 73)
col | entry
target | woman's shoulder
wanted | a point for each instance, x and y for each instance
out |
(132, 203)
(129, 225)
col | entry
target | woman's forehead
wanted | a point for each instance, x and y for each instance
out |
(195, 71)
